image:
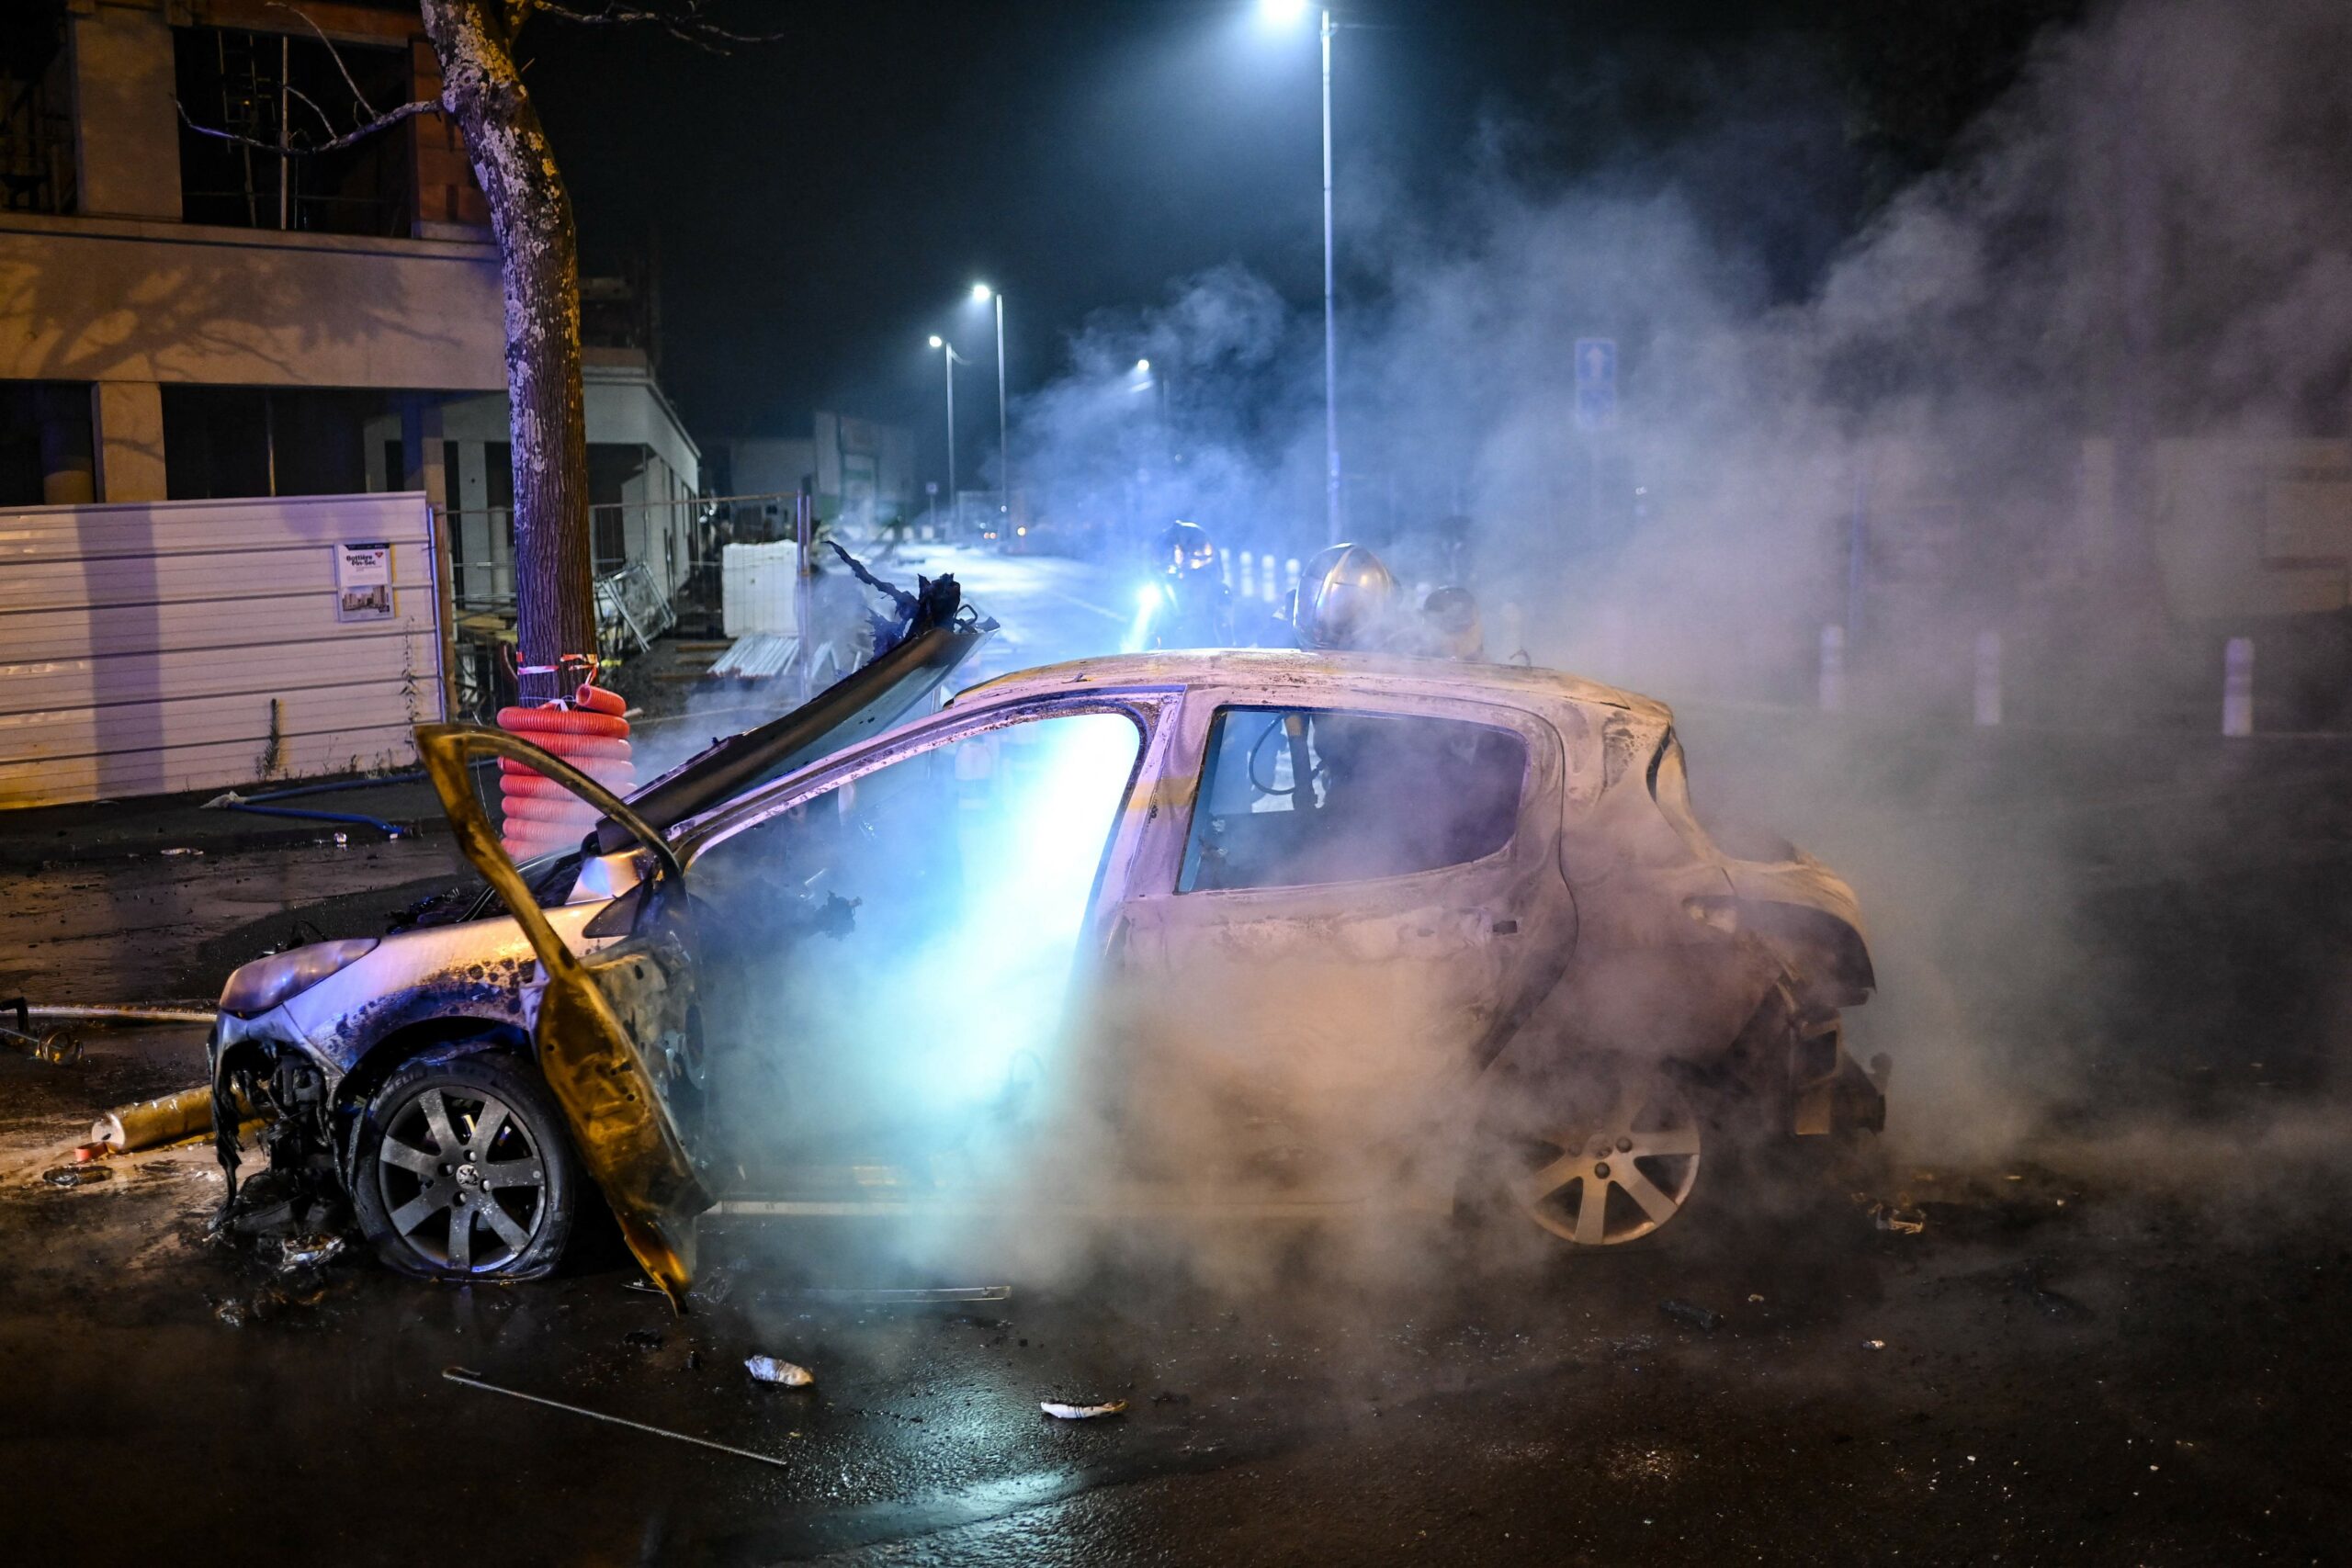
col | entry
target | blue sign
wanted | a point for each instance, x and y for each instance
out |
(1596, 360)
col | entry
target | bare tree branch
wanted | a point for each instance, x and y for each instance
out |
(304, 98)
(683, 20)
(336, 53)
(388, 117)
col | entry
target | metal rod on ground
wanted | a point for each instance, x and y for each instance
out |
(470, 1379)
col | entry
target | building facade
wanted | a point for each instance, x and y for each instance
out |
(186, 317)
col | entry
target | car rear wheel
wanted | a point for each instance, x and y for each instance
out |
(1605, 1160)
(464, 1171)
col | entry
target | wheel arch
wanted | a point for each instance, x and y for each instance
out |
(430, 1038)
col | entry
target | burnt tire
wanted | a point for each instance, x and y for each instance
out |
(463, 1169)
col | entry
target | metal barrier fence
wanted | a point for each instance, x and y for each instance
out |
(650, 559)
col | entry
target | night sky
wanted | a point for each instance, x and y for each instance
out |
(822, 203)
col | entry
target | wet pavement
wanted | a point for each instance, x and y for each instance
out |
(2118, 1337)
(2055, 1368)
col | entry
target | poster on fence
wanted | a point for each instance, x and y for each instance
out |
(363, 582)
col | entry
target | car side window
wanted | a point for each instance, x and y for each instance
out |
(899, 945)
(1295, 797)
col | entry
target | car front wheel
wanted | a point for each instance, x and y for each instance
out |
(464, 1171)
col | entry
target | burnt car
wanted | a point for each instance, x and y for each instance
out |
(1231, 932)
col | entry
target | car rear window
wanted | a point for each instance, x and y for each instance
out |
(1295, 797)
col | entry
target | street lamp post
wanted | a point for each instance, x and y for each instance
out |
(1283, 12)
(983, 294)
(1330, 319)
(949, 360)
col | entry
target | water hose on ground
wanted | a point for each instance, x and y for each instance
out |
(232, 801)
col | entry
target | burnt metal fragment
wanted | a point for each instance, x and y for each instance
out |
(1692, 1315)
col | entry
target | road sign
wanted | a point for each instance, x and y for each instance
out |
(1596, 361)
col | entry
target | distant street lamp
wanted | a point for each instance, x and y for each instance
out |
(1286, 13)
(982, 295)
(949, 361)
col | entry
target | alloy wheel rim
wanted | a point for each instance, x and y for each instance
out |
(1607, 1178)
(462, 1179)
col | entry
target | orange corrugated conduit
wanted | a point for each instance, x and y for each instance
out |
(588, 731)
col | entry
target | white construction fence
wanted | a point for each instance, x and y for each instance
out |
(151, 648)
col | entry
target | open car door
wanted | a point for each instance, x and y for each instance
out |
(619, 1030)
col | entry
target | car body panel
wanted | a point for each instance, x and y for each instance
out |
(1343, 1016)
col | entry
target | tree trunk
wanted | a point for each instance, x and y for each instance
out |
(538, 260)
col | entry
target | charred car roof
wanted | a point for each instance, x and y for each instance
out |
(1276, 668)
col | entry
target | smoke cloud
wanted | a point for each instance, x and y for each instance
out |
(2012, 406)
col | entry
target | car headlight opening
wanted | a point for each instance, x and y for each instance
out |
(267, 982)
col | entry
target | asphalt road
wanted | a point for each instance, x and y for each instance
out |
(2112, 989)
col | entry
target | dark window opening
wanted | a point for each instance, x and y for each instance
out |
(1297, 798)
(611, 467)
(45, 443)
(281, 89)
(222, 441)
(37, 167)
(498, 485)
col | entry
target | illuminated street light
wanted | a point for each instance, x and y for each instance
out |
(1143, 367)
(949, 360)
(983, 295)
(1285, 12)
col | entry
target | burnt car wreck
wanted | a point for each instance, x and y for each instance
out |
(1235, 932)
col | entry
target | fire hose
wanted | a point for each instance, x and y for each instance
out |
(589, 731)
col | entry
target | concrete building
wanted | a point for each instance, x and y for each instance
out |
(185, 318)
(859, 472)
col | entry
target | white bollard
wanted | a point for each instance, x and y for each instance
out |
(1223, 565)
(1290, 578)
(1988, 680)
(2237, 686)
(1249, 583)
(1833, 668)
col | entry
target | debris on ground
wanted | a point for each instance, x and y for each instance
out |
(183, 852)
(1061, 1412)
(783, 1374)
(1692, 1315)
(58, 1047)
(467, 1378)
(1754, 1299)
(642, 1339)
(231, 1313)
(1898, 1218)
(55, 1046)
(1873, 1344)
(76, 1175)
(168, 1118)
(2053, 1304)
(308, 1251)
